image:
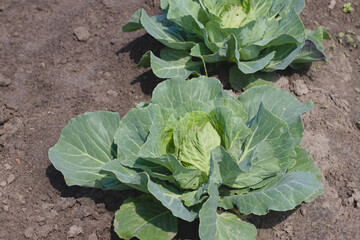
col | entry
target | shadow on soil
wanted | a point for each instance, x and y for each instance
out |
(148, 81)
(271, 219)
(139, 46)
(111, 199)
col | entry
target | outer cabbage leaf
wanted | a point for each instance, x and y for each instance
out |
(143, 217)
(167, 194)
(305, 164)
(133, 130)
(282, 193)
(85, 145)
(158, 28)
(187, 14)
(230, 226)
(225, 225)
(207, 214)
(173, 93)
(280, 103)
(173, 63)
(230, 125)
(240, 80)
(271, 132)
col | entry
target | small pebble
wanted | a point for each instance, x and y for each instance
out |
(74, 231)
(21, 199)
(44, 230)
(356, 196)
(302, 211)
(5, 208)
(300, 88)
(349, 201)
(47, 206)
(107, 75)
(351, 184)
(332, 4)
(3, 184)
(110, 3)
(7, 166)
(29, 232)
(40, 219)
(282, 83)
(112, 93)
(82, 34)
(11, 178)
(2, 7)
(4, 82)
(93, 237)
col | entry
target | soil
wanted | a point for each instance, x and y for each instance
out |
(59, 59)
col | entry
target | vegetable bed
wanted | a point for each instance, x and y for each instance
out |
(59, 60)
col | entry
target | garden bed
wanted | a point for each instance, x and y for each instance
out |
(59, 59)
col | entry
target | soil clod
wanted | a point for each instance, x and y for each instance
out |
(74, 231)
(82, 33)
(4, 82)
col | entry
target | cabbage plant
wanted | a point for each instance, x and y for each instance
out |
(255, 36)
(194, 151)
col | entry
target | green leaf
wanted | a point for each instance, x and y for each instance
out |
(155, 170)
(145, 60)
(227, 51)
(262, 164)
(134, 22)
(85, 145)
(250, 33)
(285, 55)
(161, 31)
(270, 132)
(305, 164)
(249, 67)
(187, 14)
(239, 80)
(133, 131)
(321, 34)
(226, 225)
(281, 103)
(172, 64)
(290, 24)
(167, 194)
(318, 36)
(164, 4)
(229, 169)
(229, 226)
(187, 178)
(229, 125)
(283, 193)
(309, 53)
(144, 217)
(194, 197)
(159, 28)
(177, 91)
(208, 215)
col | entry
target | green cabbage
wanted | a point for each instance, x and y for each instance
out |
(254, 35)
(192, 149)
